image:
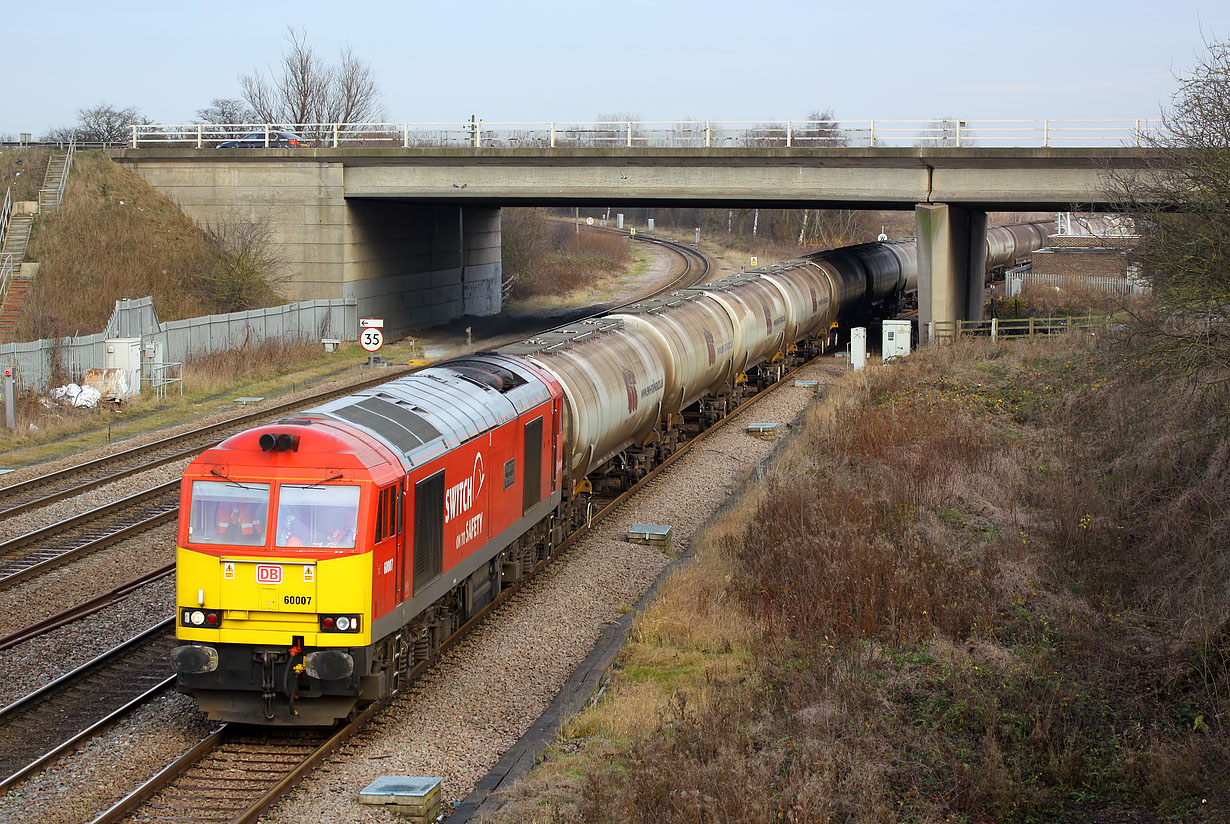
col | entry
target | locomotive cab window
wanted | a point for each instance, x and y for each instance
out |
(228, 513)
(317, 516)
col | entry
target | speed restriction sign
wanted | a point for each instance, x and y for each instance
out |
(371, 339)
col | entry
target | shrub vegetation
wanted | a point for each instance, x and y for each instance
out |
(986, 584)
(117, 237)
(545, 257)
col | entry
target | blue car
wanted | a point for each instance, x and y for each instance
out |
(256, 140)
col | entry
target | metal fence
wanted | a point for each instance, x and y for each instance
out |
(664, 134)
(1018, 278)
(182, 340)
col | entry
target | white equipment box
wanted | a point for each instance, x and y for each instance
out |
(858, 348)
(896, 342)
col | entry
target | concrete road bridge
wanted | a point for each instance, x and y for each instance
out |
(408, 223)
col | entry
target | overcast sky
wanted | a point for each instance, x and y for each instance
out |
(535, 61)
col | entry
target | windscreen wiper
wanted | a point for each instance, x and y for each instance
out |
(231, 481)
(317, 485)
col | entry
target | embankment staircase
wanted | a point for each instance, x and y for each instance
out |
(15, 232)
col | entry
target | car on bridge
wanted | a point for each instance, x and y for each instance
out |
(256, 140)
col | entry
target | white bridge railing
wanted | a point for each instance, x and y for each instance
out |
(667, 134)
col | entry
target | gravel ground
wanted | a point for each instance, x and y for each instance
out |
(107, 767)
(462, 716)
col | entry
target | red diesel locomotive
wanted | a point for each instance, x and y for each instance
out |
(317, 555)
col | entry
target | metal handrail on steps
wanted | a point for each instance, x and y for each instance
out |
(5, 211)
(49, 197)
(6, 273)
(6, 258)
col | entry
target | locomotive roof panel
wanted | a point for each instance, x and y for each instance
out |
(422, 414)
(659, 304)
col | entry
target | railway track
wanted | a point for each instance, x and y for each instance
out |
(83, 608)
(234, 775)
(688, 277)
(74, 480)
(144, 661)
(41, 550)
(46, 724)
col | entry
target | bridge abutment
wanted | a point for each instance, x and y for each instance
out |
(952, 257)
(414, 265)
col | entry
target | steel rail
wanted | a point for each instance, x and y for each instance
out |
(37, 552)
(120, 460)
(270, 794)
(55, 718)
(120, 464)
(83, 608)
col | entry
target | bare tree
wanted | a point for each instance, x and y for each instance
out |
(820, 130)
(945, 131)
(103, 123)
(243, 269)
(226, 110)
(617, 135)
(304, 88)
(1179, 199)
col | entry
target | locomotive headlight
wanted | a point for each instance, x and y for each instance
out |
(198, 618)
(339, 623)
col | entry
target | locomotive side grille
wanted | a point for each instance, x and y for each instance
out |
(531, 482)
(398, 425)
(428, 529)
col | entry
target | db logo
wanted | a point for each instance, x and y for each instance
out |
(268, 574)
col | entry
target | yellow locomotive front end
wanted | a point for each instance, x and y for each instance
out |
(274, 580)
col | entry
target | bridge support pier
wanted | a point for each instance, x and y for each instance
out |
(952, 262)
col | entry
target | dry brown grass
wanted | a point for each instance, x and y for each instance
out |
(548, 258)
(23, 170)
(980, 585)
(114, 237)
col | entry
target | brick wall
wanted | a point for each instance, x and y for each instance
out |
(1088, 262)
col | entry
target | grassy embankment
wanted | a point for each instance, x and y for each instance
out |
(548, 263)
(22, 171)
(115, 237)
(985, 584)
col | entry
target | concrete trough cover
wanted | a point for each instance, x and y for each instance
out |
(807, 384)
(416, 796)
(763, 430)
(248, 399)
(658, 534)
